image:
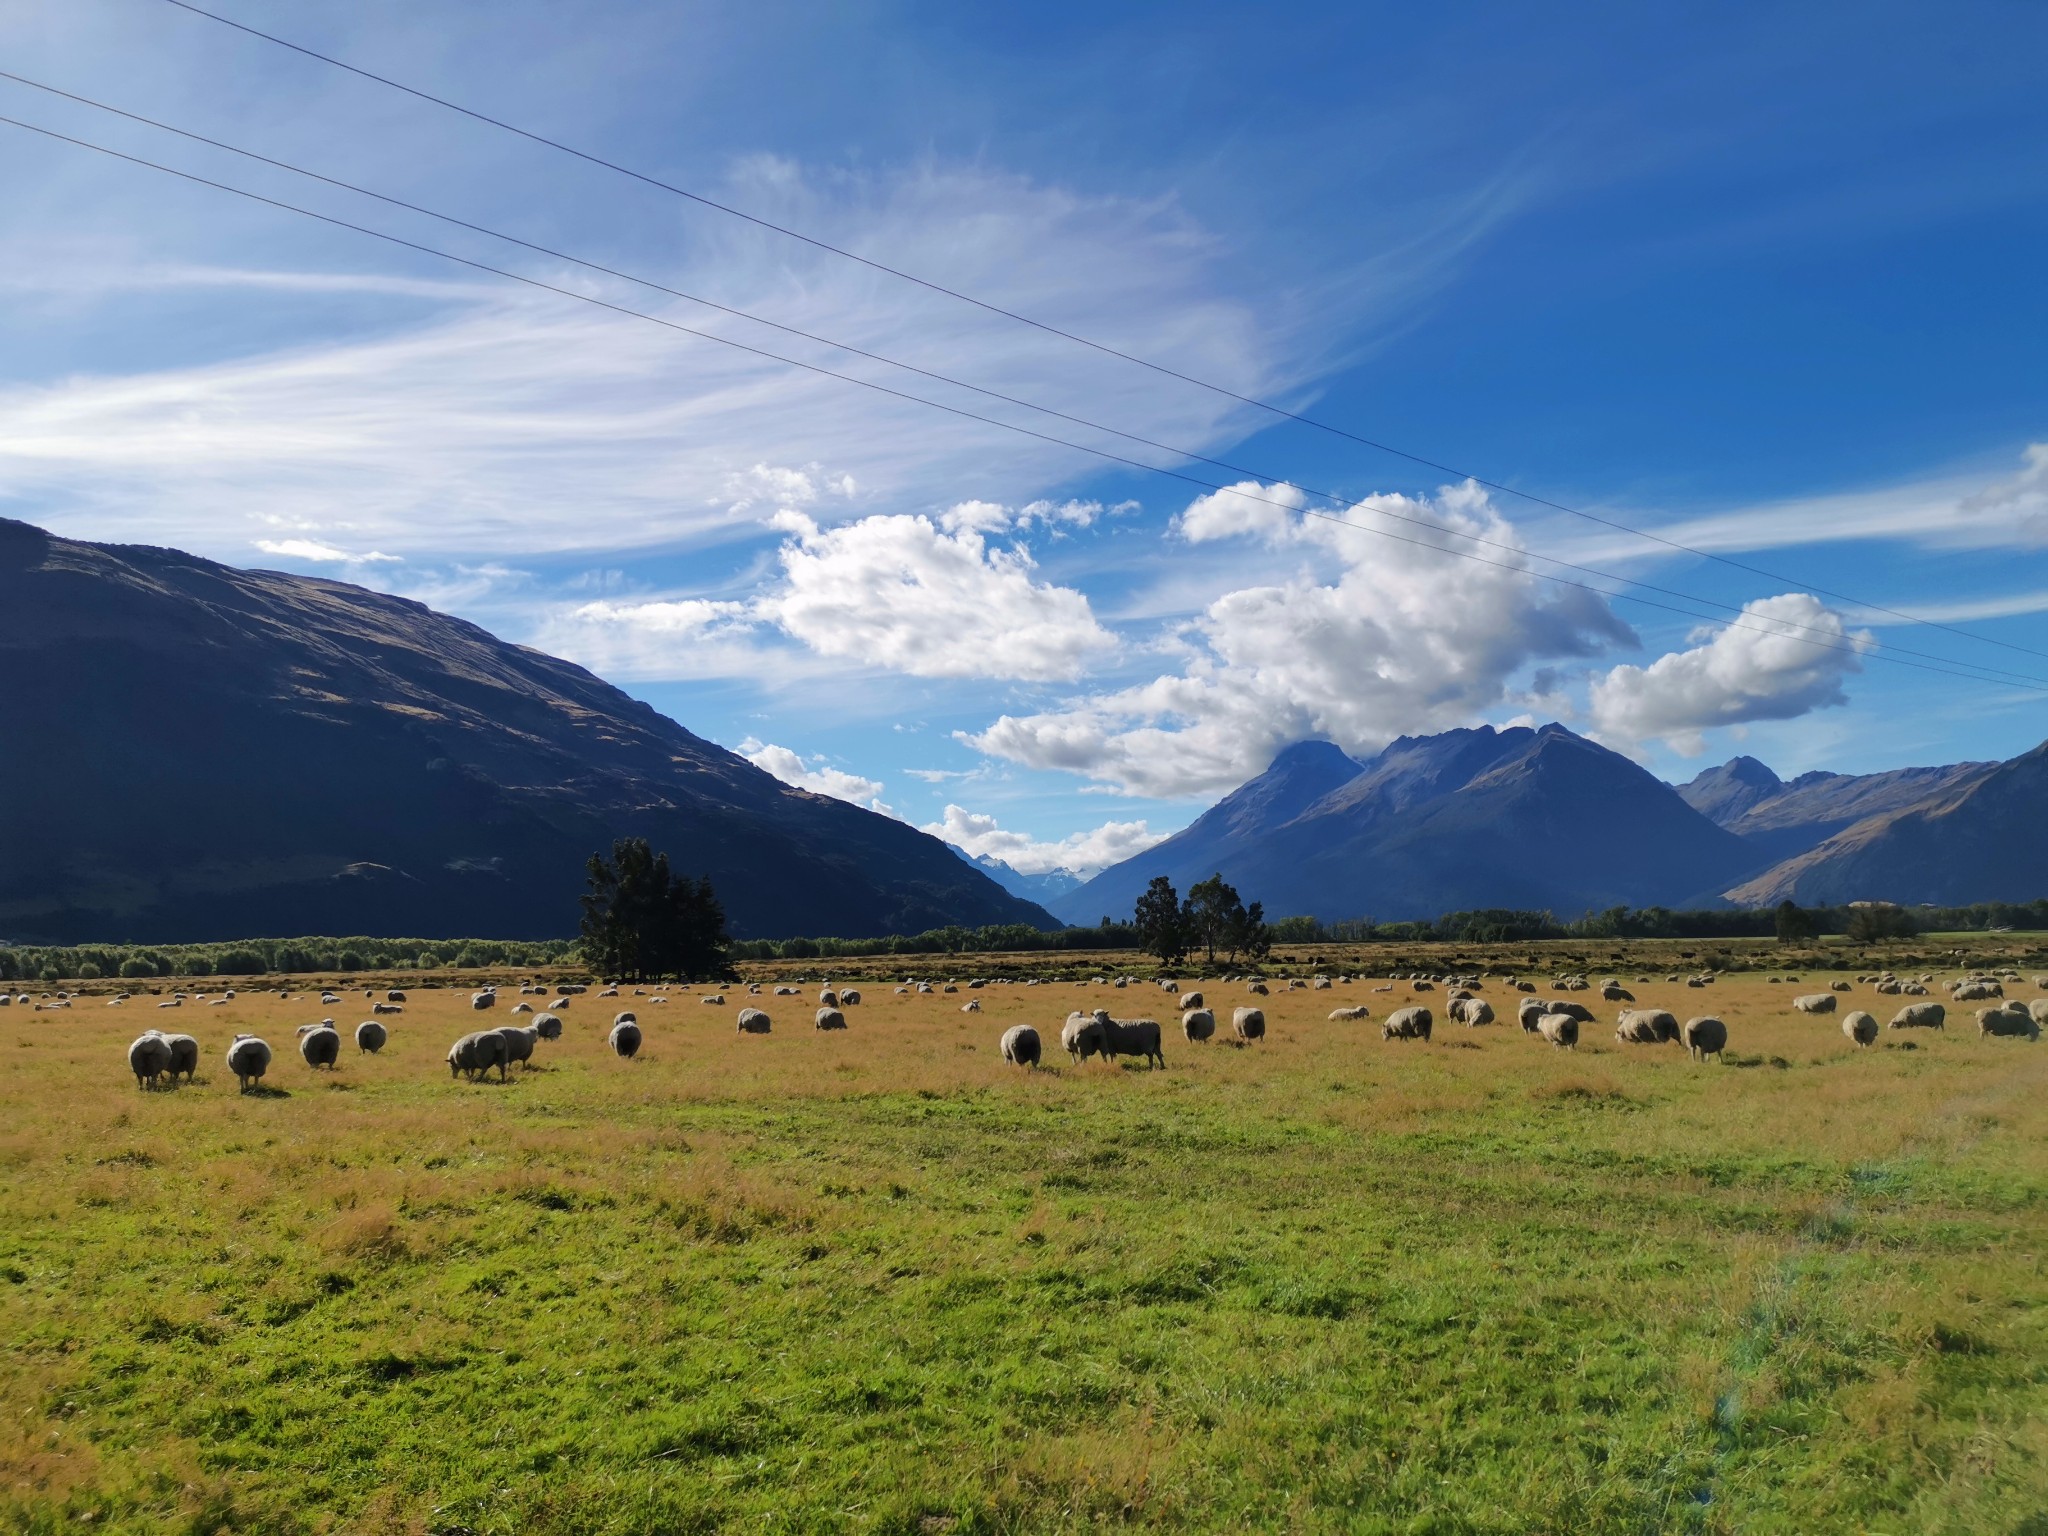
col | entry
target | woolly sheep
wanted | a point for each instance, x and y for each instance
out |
(972, 1005)
(1081, 1036)
(1197, 1024)
(829, 1018)
(1349, 1014)
(370, 1036)
(1130, 1037)
(248, 1058)
(475, 1054)
(320, 1045)
(1815, 1002)
(1614, 992)
(547, 1026)
(1248, 1024)
(2010, 1020)
(1646, 1026)
(1920, 1016)
(828, 998)
(625, 1018)
(753, 1021)
(1704, 1037)
(1190, 1000)
(848, 997)
(2038, 1010)
(478, 1000)
(785, 992)
(1020, 1045)
(394, 996)
(149, 1058)
(1860, 1027)
(1472, 1012)
(1840, 986)
(625, 1039)
(1978, 991)
(1529, 1010)
(387, 1008)
(519, 1043)
(1412, 1023)
(1560, 1029)
(1257, 989)
(713, 999)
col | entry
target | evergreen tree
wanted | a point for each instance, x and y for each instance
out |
(1795, 924)
(641, 921)
(1217, 918)
(1160, 921)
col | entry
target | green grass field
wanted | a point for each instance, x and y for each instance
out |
(877, 1281)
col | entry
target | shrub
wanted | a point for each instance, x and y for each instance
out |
(87, 971)
(240, 962)
(135, 966)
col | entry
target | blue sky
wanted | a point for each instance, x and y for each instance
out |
(1764, 279)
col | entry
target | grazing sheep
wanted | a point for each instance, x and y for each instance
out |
(2038, 1010)
(1424, 986)
(1560, 1029)
(1190, 1000)
(1704, 1037)
(626, 1018)
(184, 1056)
(320, 1044)
(753, 1021)
(1920, 1016)
(1408, 1024)
(785, 991)
(713, 1000)
(1978, 991)
(849, 998)
(1646, 1026)
(149, 1058)
(829, 1018)
(1257, 989)
(828, 998)
(625, 1039)
(1351, 1014)
(924, 988)
(522, 1007)
(1860, 1027)
(1197, 1024)
(1840, 986)
(1529, 1010)
(477, 1000)
(371, 1036)
(248, 1058)
(519, 1044)
(547, 1026)
(1081, 1036)
(1615, 992)
(1020, 1046)
(394, 996)
(387, 1008)
(1472, 1012)
(1130, 1037)
(1248, 1024)
(1815, 1002)
(2010, 1021)
(475, 1054)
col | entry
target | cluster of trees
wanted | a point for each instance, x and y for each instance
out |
(1212, 918)
(641, 920)
(997, 938)
(267, 957)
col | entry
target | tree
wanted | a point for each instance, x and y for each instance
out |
(1879, 924)
(1796, 925)
(641, 921)
(1217, 918)
(1160, 921)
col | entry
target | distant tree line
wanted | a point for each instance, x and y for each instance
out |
(260, 957)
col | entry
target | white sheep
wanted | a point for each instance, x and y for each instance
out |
(248, 1058)
(753, 1021)
(149, 1058)
(1704, 1037)
(1197, 1024)
(1248, 1024)
(1860, 1028)
(1020, 1046)
(320, 1044)
(625, 1039)
(547, 1026)
(371, 1036)
(829, 1018)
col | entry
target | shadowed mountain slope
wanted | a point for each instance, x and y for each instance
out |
(1469, 818)
(1781, 818)
(205, 752)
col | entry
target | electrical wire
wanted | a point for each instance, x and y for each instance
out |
(1278, 411)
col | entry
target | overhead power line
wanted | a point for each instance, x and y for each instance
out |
(1368, 506)
(1266, 406)
(1979, 675)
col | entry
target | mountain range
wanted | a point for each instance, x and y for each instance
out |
(1544, 819)
(203, 752)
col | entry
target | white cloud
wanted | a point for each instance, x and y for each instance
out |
(315, 553)
(1083, 852)
(1406, 638)
(1762, 668)
(900, 592)
(815, 775)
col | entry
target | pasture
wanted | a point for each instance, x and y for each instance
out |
(877, 1280)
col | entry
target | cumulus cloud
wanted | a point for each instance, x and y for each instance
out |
(1405, 638)
(905, 593)
(313, 552)
(1083, 852)
(1763, 667)
(814, 774)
